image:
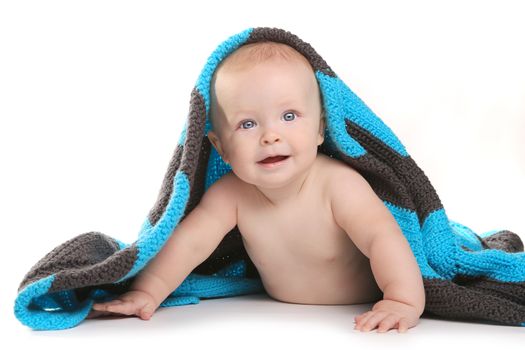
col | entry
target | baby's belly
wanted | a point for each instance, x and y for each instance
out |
(344, 278)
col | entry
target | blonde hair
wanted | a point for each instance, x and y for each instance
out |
(248, 56)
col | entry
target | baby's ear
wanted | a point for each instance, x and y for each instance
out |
(215, 141)
(322, 125)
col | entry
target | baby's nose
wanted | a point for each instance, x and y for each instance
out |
(271, 138)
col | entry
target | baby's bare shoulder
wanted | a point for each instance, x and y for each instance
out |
(335, 171)
(220, 192)
(344, 183)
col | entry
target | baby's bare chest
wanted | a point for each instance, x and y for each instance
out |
(303, 256)
(301, 235)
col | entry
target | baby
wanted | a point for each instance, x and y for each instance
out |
(313, 227)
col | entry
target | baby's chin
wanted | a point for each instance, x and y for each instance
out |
(266, 181)
(275, 181)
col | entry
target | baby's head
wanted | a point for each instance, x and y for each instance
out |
(265, 101)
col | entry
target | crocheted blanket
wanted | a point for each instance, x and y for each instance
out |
(469, 276)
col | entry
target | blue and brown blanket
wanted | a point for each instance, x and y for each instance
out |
(468, 276)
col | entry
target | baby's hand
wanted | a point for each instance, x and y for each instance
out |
(131, 303)
(386, 314)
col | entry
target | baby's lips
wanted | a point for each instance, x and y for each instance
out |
(273, 159)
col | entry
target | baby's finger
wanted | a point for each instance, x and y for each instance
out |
(116, 306)
(99, 307)
(387, 323)
(126, 308)
(363, 318)
(358, 318)
(403, 325)
(146, 313)
(372, 322)
(103, 306)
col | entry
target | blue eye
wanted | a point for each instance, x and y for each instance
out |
(244, 123)
(288, 113)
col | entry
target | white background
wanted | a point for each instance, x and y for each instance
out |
(94, 94)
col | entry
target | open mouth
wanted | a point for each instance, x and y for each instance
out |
(275, 159)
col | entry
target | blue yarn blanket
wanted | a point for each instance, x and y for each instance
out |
(469, 276)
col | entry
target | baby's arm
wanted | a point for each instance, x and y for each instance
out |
(192, 242)
(373, 229)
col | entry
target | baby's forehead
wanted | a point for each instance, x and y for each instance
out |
(292, 74)
(295, 89)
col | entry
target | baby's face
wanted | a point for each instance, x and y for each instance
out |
(273, 108)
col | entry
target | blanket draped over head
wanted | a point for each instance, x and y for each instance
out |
(468, 276)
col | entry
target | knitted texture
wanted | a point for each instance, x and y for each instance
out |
(469, 276)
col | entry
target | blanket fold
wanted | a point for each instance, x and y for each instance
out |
(467, 276)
